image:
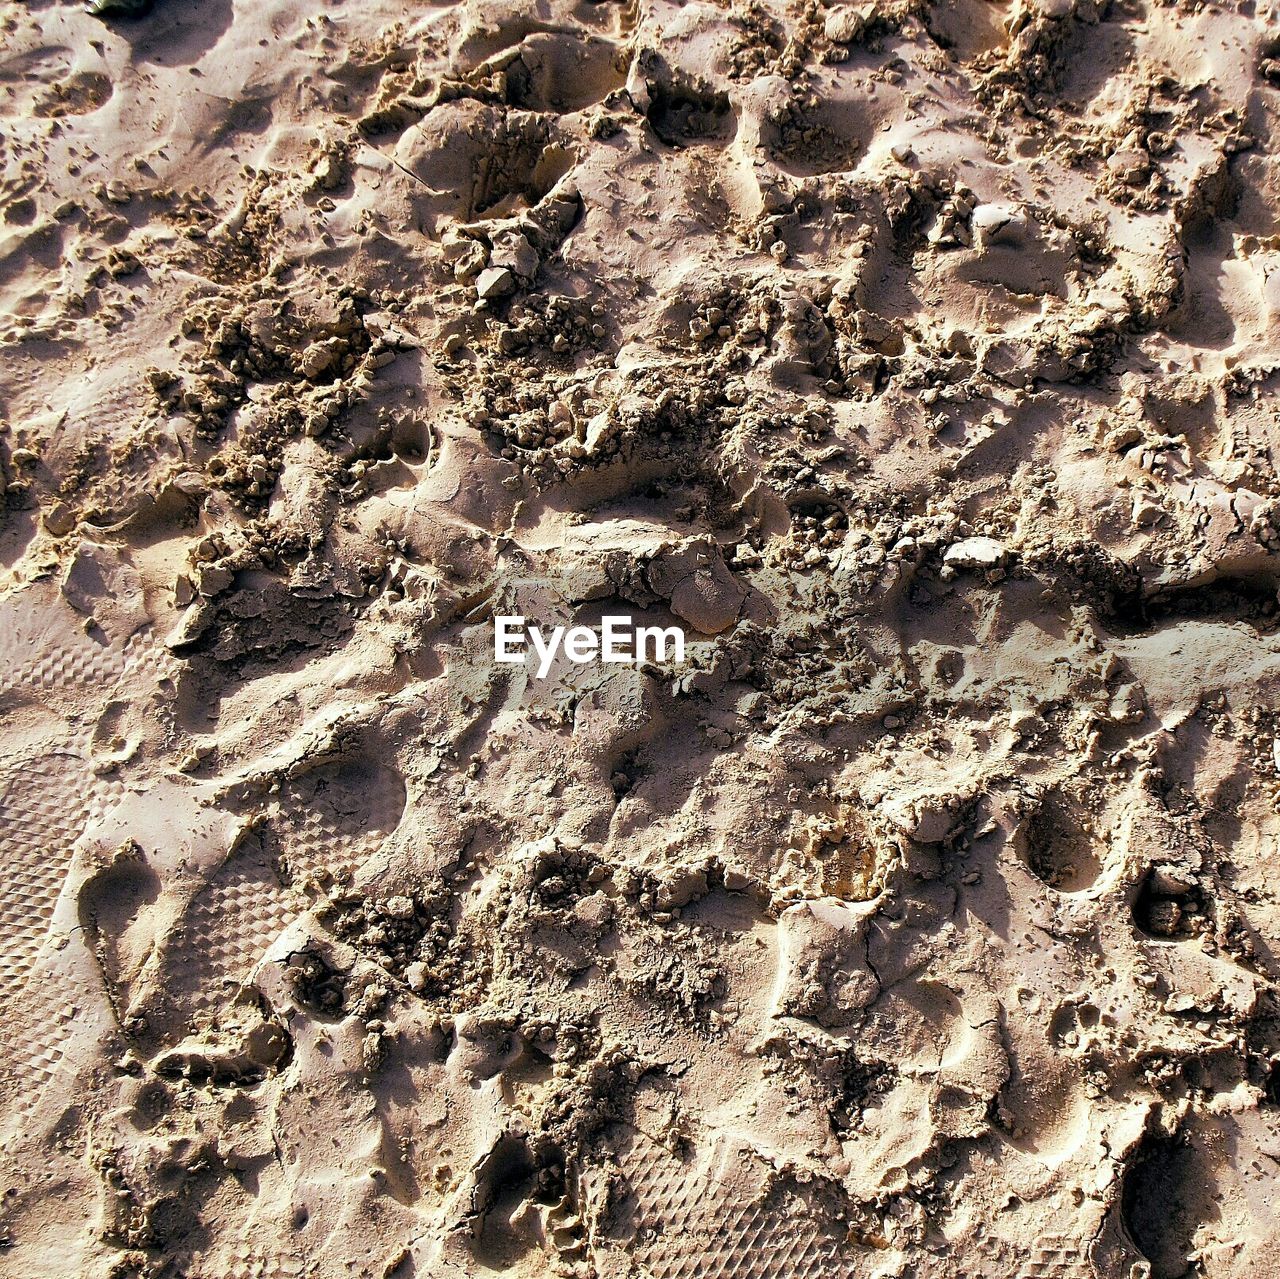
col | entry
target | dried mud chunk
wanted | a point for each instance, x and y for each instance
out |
(512, 251)
(823, 969)
(494, 283)
(975, 554)
(700, 587)
(317, 986)
(926, 818)
(487, 1045)
(1169, 906)
(707, 601)
(1269, 62)
(1012, 250)
(847, 24)
(1038, 35)
(998, 224)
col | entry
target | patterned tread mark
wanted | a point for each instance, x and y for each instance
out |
(731, 1218)
(34, 1046)
(42, 652)
(1053, 1256)
(43, 809)
(230, 925)
(334, 817)
(248, 1264)
(45, 650)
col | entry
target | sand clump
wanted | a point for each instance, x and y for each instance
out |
(918, 359)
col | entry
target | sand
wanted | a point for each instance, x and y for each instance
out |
(919, 360)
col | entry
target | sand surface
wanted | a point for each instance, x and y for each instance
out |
(919, 359)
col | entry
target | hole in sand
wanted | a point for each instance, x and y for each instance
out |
(484, 160)
(829, 138)
(519, 175)
(1057, 844)
(681, 114)
(562, 74)
(502, 1185)
(967, 28)
(1162, 1203)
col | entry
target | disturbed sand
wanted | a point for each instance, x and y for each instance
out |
(920, 360)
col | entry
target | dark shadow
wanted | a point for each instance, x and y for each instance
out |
(174, 33)
(1167, 1195)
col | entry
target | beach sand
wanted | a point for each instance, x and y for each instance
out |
(919, 361)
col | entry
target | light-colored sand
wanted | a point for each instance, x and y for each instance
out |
(921, 359)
